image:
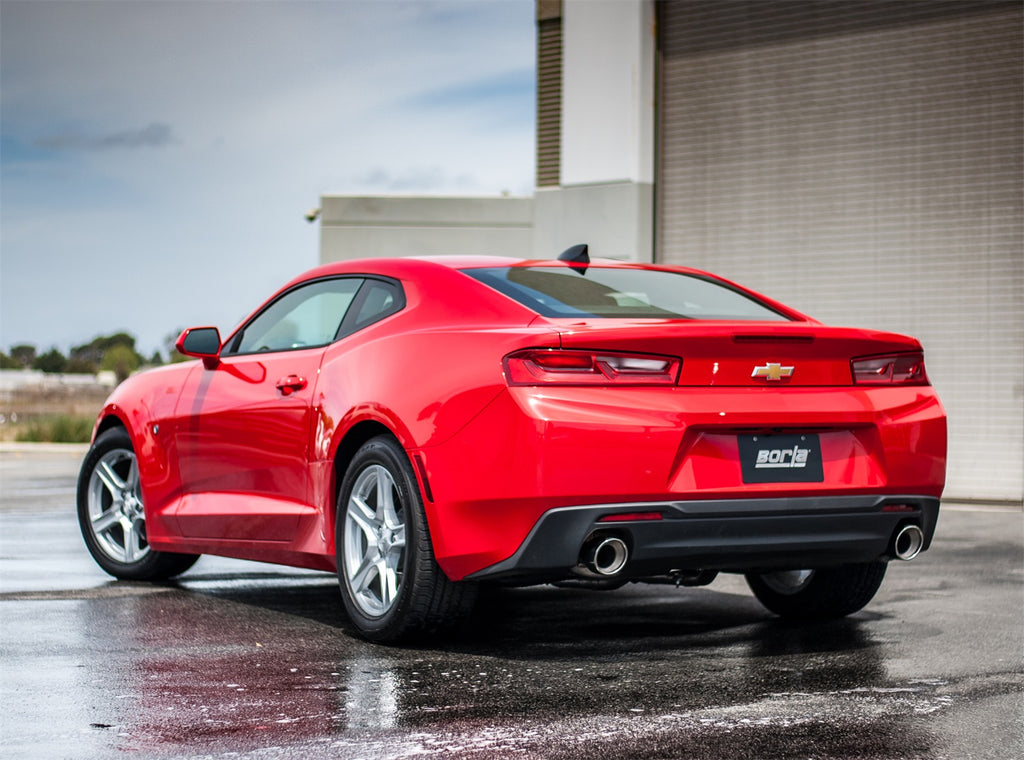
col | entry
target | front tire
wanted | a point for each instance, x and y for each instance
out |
(822, 594)
(391, 585)
(112, 517)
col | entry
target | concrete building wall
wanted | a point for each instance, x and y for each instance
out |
(605, 196)
(608, 216)
(608, 92)
(354, 227)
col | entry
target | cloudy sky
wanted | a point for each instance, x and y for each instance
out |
(158, 157)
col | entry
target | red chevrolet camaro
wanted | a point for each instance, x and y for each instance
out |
(426, 427)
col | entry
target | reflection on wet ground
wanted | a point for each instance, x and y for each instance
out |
(223, 664)
(248, 660)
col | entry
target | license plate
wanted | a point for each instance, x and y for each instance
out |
(781, 458)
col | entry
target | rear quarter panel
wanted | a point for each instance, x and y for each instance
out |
(423, 373)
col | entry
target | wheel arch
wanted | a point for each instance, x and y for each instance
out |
(348, 445)
(117, 417)
(107, 421)
(111, 436)
(114, 416)
(427, 600)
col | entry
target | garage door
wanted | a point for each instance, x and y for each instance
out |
(862, 162)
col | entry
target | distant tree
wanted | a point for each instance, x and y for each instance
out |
(117, 339)
(94, 352)
(122, 360)
(24, 354)
(156, 359)
(89, 353)
(6, 362)
(79, 367)
(52, 361)
(173, 357)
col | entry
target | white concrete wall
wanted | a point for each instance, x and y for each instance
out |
(356, 227)
(613, 218)
(606, 196)
(607, 154)
(18, 379)
(608, 91)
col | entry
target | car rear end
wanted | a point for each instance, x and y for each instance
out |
(674, 436)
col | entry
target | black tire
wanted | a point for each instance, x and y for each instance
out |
(392, 587)
(111, 514)
(822, 594)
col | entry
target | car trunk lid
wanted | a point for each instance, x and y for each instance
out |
(727, 354)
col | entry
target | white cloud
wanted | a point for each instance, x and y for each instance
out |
(158, 157)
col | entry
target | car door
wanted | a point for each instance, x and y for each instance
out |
(244, 423)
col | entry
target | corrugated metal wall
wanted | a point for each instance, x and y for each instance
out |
(862, 162)
(549, 92)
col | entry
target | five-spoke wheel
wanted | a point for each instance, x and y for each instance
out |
(392, 587)
(114, 501)
(112, 517)
(374, 552)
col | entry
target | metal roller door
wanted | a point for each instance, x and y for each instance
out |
(862, 162)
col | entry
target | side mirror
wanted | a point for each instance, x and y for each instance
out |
(201, 342)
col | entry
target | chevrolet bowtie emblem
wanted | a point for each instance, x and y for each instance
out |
(772, 371)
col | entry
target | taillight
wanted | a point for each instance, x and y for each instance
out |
(895, 369)
(539, 366)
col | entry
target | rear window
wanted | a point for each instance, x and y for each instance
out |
(622, 293)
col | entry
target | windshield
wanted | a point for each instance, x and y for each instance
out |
(616, 293)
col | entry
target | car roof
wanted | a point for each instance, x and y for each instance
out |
(397, 266)
(477, 262)
(422, 266)
(430, 268)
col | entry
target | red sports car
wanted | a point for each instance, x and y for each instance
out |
(425, 427)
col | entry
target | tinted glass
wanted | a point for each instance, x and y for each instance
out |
(378, 299)
(622, 293)
(202, 340)
(307, 316)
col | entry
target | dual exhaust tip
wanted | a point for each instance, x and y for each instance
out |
(603, 555)
(606, 555)
(908, 542)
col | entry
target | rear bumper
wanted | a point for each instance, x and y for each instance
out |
(738, 535)
(533, 451)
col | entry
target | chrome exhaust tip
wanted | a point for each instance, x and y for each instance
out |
(605, 555)
(908, 542)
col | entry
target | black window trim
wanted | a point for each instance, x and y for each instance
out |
(347, 326)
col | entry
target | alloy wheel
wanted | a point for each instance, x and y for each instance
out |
(117, 519)
(375, 535)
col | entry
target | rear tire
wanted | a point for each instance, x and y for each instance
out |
(822, 594)
(391, 585)
(112, 517)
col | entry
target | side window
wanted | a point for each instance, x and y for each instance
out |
(305, 317)
(378, 300)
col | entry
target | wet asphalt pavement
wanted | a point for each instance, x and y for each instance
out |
(244, 660)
